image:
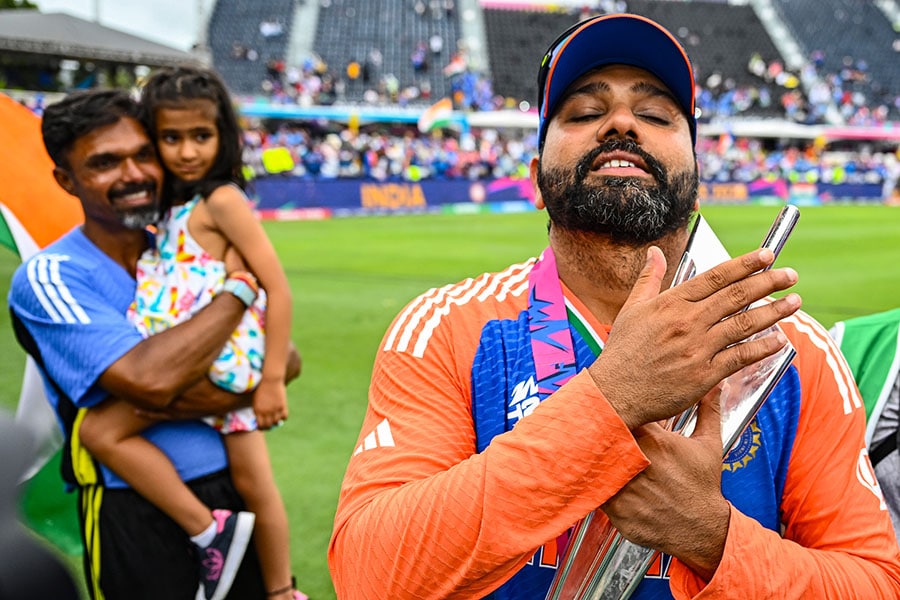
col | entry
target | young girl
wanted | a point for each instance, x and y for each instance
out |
(190, 116)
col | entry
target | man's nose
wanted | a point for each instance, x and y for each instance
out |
(618, 121)
(131, 170)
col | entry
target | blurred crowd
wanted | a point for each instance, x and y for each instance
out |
(405, 154)
(806, 97)
(401, 152)
(314, 83)
(727, 159)
(812, 95)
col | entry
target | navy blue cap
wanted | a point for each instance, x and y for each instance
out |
(619, 39)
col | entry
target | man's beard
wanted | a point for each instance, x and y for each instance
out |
(139, 218)
(627, 209)
(136, 217)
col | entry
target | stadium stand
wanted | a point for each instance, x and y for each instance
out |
(721, 38)
(364, 52)
(249, 40)
(838, 65)
(381, 37)
(516, 41)
(854, 43)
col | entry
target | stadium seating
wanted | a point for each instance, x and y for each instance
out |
(720, 38)
(241, 24)
(516, 42)
(847, 31)
(349, 30)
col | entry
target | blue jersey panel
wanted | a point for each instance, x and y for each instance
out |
(72, 298)
(754, 471)
(503, 385)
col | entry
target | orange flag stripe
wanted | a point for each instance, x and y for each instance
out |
(29, 190)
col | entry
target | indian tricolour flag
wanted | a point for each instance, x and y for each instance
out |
(439, 114)
(35, 211)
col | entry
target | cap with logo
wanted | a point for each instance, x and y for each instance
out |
(624, 39)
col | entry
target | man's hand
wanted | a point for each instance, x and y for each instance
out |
(676, 505)
(206, 398)
(294, 365)
(202, 399)
(666, 350)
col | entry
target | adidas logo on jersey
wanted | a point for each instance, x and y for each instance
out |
(52, 292)
(379, 438)
(524, 400)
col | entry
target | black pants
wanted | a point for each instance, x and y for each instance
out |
(135, 552)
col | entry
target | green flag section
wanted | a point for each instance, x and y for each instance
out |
(6, 234)
(871, 345)
(49, 511)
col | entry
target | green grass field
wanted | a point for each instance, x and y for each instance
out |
(351, 276)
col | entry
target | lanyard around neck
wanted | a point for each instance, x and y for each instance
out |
(548, 323)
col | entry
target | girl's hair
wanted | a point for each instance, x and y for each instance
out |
(175, 87)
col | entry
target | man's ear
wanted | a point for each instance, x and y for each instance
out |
(533, 172)
(64, 179)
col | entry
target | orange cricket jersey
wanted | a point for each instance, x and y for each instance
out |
(461, 482)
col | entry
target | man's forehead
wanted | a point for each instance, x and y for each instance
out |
(122, 137)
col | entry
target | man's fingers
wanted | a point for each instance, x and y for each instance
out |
(735, 298)
(743, 325)
(729, 272)
(650, 280)
(155, 415)
(736, 357)
(741, 294)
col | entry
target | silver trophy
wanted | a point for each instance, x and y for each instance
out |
(600, 564)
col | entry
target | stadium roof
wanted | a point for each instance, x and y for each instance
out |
(62, 35)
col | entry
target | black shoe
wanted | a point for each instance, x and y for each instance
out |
(220, 560)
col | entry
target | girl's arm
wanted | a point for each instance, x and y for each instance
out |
(232, 215)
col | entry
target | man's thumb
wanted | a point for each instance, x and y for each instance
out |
(709, 415)
(649, 281)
